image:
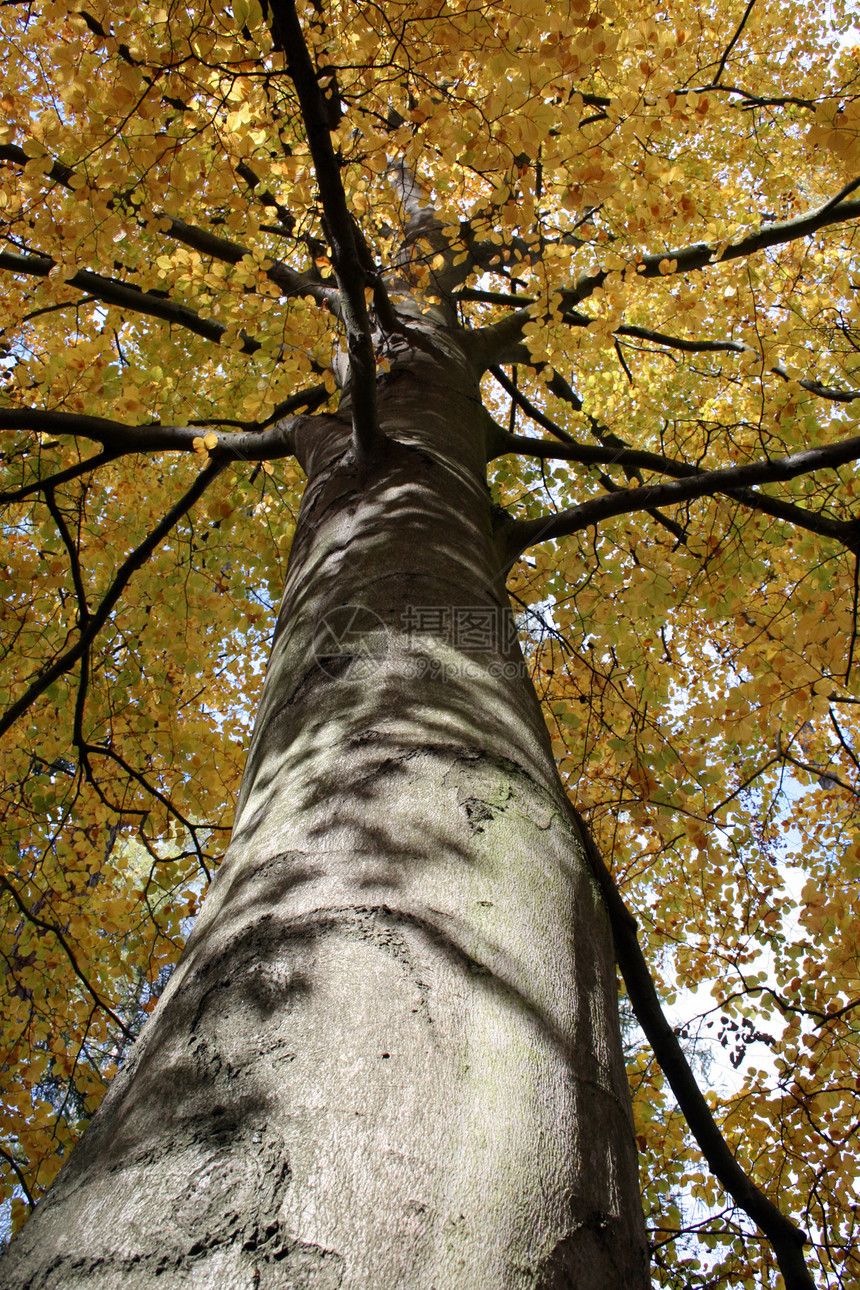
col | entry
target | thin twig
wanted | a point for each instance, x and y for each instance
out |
(734, 40)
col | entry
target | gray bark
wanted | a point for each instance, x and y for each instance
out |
(389, 1057)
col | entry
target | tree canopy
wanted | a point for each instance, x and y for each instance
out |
(648, 216)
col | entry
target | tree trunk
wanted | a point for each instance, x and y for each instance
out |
(390, 1055)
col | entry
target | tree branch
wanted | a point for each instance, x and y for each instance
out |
(502, 442)
(123, 296)
(703, 254)
(849, 188)
(350, 277)
(577, 319)
(61, 477)
(290, 281)
(285, 218)
(734, 40)
(491, 344)
(72, 552)
(22, 1181)
(525, 533)
(637, 459)
(785, 1237)
(117, 438)
(540, 418)
(733, 347)
(85, 749)
(127, 57)
(59, 172)
(632, 460)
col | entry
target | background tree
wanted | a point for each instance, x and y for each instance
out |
(638, 225)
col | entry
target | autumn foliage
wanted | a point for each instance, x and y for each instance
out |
(655, 208)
